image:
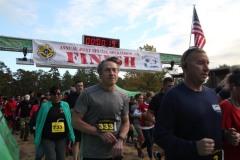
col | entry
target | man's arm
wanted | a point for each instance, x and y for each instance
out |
(124, 127)
(79, 124)
(117, 148)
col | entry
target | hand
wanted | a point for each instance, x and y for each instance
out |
(108, 137)
(117, 148)
(205, 146)
(232, 136)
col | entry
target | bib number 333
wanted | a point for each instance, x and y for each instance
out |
(107, 126)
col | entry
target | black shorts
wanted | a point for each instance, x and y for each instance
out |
(77, 134)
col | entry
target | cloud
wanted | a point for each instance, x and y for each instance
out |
(19, 11)
(164, 24)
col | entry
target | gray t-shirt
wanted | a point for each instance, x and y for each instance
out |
(95, 103)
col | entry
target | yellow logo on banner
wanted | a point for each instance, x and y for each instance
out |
(45, 51)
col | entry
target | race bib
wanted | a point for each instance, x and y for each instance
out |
(58, 127)
(216, 155)
(107, 125)
(216, 108)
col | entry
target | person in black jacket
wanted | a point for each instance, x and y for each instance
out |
(71, 100)
(25, 107)
(154, 105)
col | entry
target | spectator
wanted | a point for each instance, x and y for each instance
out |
(48, 96)
(154, 105)
(65, 96)
(33, 99)
(24, 107)
(10, 109)
(155, 102)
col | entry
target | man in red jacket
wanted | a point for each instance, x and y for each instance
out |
(9, 111)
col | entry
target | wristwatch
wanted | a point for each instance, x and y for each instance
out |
(119, 137)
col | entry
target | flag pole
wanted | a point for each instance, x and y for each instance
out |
(191, 27)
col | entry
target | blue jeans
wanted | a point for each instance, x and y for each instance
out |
(54, 149)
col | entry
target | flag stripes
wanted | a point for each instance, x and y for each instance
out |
(199, 38)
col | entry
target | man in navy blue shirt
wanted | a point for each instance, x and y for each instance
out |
(188, 125)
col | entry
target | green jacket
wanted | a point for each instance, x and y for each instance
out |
(41, 118)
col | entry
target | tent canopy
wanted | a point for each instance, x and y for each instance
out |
(129, 93)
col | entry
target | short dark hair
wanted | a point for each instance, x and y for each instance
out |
(54, 89)
(78, 81)
(41, 100)
(137, 95)
(190, 51)
(111, 59)
(167, 79)
(31, 91)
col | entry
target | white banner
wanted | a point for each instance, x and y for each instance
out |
(70, 55)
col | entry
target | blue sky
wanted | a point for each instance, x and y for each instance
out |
(165, 24)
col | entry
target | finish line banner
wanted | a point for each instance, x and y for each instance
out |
(70, 55)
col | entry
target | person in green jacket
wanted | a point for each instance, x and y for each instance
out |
(53, 126)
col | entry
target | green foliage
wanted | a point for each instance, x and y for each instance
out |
(144, 81)
(137, 81)
(67, 81)
(88, 76)
(147, 47)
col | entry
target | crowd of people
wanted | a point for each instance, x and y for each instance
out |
(188, 121)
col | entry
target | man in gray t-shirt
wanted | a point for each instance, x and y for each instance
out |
(101, 114)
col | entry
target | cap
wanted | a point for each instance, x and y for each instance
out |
(27, 97)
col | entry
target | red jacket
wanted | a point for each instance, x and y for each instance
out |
(143, 107)
(10, 108)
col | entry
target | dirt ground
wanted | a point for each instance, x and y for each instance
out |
(27, 150)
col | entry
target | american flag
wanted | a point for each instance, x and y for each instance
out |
(199, 38)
